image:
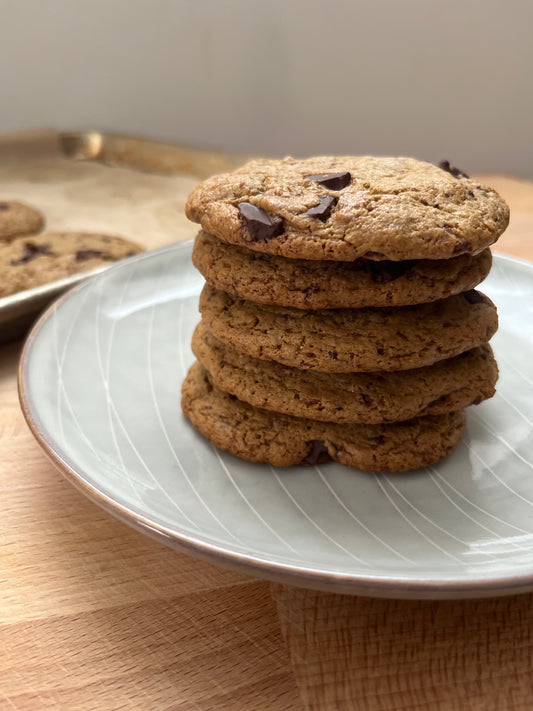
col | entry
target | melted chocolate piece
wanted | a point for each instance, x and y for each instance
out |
(82, 255)
(31, 252)
(333, 181)
(462, 247)
(438, 401)
(384, 272)
(260, 225)
(476, 297)
(323, 209)
(4, 206)
(318, 454)
(456, 172)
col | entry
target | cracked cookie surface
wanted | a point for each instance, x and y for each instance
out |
(388, 209)
(446, 386)
(262, 436)
(351, 340)
(312, 284)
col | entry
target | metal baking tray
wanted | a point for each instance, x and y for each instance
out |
(19, 311)
(51, 150)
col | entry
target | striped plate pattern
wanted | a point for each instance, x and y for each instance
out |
(100, 381)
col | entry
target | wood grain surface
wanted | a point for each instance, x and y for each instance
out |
(94, 616)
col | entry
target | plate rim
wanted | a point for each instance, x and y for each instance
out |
(386, 586)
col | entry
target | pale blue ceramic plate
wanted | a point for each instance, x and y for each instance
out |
(100, 380)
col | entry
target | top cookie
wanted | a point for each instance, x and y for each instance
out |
(343, 208)
(16, 219)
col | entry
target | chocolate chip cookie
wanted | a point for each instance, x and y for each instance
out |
(27, 262)
(17, 218)
(315, 284)
(351, 340)
(344, 208)
(371, 398)
(262, 436)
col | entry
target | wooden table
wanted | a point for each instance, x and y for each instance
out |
(95, 616)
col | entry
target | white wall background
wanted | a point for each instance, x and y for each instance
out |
(426, 78)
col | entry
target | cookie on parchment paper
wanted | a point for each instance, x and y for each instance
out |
(27, 262)
(17, 218)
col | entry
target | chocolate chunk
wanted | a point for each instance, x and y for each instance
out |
(4, 206)
(439, 401)
(333, 181)
(384, 272)
(476, 297)
(456, 172)
(318, 454)
(477, 400)
(323, 209)
(82, 255)
(259, 223)
(31, 252)
(462, 247)
(367, 399)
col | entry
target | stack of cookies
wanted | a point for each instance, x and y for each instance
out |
(339, 317)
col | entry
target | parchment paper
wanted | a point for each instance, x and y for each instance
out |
(82, 195)
(88, 196)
